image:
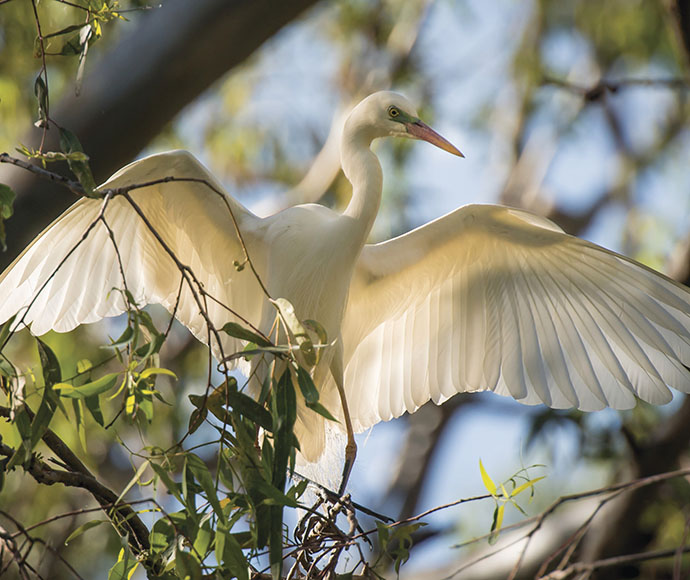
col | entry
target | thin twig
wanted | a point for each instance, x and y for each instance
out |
(614, 561)
(32, 540)
(73, 186)
(598, 90)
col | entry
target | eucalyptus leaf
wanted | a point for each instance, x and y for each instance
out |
(238, 331)
(287, 314)
(97, 387)
(41, 93)
(7, 197)
(69, 143)
(84, 528)
(203, 476)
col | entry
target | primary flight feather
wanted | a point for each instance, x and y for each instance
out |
(484, 298)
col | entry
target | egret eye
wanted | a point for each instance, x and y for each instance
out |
(393, 112)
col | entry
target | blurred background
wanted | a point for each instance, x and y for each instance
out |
(575, 110)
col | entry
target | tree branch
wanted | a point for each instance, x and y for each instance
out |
(123, 517)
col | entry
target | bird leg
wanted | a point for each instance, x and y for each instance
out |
(351, 446)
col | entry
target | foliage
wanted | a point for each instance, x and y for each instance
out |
(503, 497)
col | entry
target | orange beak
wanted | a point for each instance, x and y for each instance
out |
(425, 133)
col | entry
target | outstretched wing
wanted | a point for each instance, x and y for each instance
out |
(492, 298)
(75, 270)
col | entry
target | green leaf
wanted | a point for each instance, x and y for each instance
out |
(71, 46)
(525, 486)
(239, 402)
(94, 406)
(78, 407)
(284, 414)
(5, 331)
(321, 410)
(287, 314)
(196, 420)
(62, 31)
(125, 338)
(203, 538)
(318, 329)
(238, 331)
(247, 353)
(125, 565)
(186, 566)
(150, 348)
(145, 403)
(97, 387)
(497, 523)
(173, 487)
(146, 373)
(7, 197)
(69, 144)
(384, 533)
(488, 482)
(41, 92)
(162, 536)
(84, 365)
(401, 541)
(273, 496)
(203, 476)
(307, 386)
(84, 528)
(49, 403)
(135, 479)
(49, 363)
(23, 425)
(229, 552)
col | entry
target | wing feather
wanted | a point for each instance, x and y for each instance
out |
(73, 272)
(492, 298)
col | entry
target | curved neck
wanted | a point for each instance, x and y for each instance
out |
(363, 170)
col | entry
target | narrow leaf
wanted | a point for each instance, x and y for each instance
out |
(69, 143)
(7, 197)
(173, 487)
(41, 92)
(49, 403)
(156, 371)
(5, 331)
(307, 386)
(238, 331)
(84, 528)
(203, 476)
(287, 314)
(186, 566)
(488, 482)
(525, 486)
(321, 410)
(97, 387)
(94, 406)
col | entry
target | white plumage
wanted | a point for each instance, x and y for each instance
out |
(484, 298)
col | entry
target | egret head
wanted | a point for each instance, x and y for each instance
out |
(386, 114)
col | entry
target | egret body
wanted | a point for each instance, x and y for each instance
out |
(483, 298)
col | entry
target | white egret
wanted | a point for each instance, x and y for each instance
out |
(484, 298)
